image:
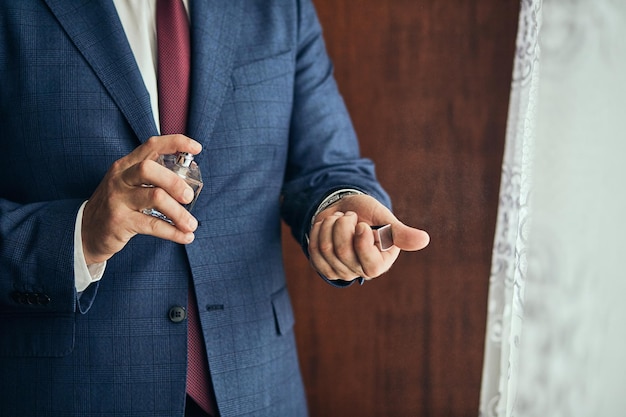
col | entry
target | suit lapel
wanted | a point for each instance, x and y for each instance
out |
(215, 27)
(97, 32)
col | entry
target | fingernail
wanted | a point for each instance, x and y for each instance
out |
(193, 223)
(338, 214)
(188, 194)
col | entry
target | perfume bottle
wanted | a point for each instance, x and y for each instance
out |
(182, 164)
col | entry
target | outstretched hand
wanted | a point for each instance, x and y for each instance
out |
(342, 244)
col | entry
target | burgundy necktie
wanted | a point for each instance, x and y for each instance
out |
(174, 56)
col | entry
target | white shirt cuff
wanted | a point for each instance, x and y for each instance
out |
(84, 275)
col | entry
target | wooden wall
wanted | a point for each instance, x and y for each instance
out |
(427, 84)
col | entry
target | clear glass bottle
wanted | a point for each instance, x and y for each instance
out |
(182, 164)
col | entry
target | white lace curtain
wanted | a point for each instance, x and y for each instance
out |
(507, 280)
(558, 272)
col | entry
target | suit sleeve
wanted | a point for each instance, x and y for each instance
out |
(324, 153)
(37, 259)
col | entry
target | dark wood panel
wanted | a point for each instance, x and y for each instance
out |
(427, 84)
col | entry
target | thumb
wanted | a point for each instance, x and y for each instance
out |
(409, 238)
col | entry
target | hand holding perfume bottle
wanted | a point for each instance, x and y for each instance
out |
(184, 166)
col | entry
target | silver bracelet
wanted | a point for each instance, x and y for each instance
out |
(332, 199)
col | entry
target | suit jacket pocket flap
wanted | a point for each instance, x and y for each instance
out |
(263, 70)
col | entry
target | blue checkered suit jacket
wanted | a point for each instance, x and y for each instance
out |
(276, 140)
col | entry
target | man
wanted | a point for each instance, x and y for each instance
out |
(95, 295)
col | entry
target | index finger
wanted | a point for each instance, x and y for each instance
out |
(152, 173)
(163, 145)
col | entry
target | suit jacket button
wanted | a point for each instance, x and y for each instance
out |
(32, 298)
(23, 298)
(177, 314)
(43, 299)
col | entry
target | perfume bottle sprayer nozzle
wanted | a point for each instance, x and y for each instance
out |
(184, 159)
